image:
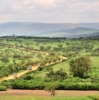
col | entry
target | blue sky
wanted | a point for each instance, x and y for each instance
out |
(49, 11)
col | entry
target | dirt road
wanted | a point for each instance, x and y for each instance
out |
(19, 74)
(59, 93)
(33, 67)
(23, 72)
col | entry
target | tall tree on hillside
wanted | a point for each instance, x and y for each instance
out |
(80, 67)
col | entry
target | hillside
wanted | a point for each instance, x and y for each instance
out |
(47, 29)
(79, 31)
(53, 56)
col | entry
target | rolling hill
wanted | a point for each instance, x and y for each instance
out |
(48, 29)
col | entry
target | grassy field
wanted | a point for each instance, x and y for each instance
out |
(17, 54)
(65, 66)
(42, 98)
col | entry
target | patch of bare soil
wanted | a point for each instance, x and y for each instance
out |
(59, 93)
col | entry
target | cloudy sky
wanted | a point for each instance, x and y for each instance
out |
(51, 11)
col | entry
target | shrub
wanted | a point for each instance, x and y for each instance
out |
(40, 68)
(58, 75)
(77, 86)
(80, 67)
(3, 88)
(28, 77)
(51, 88)
(7, 83)
(93, 97)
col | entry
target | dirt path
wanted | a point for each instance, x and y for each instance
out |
(23, 72)
(33, 67)
(23, 48)
(19, 74)
(59, 93)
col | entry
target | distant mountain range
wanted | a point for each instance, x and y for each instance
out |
(49, 29)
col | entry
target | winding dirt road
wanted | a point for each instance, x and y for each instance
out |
(19, 74)
(33, 67)
(23, 72)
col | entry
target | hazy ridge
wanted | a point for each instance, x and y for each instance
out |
(48, 29)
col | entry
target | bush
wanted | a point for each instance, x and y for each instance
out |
(77, 86)
(28, 77)
(38, 83)
(58, 75)
(40, 68)
(7, 83)
(3, 88)
(51, 88)
(93, 97)
(80, 67)
(28, 84)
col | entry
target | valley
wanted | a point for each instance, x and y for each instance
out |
(49, 59)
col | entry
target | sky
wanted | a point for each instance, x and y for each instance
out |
(49, 11)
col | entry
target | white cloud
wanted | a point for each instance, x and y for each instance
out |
(49, 10)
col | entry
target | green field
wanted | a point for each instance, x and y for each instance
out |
(43, 98)
(18, 53)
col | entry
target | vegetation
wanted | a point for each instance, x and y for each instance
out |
(51, 88)
(80, 67)
(58, 75)
(72, 63)
(3, 88)
(93, 97)
(44, 98)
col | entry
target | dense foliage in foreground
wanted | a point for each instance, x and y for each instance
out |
(3, 88)
(41, 84)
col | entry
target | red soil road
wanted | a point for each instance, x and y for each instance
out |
(59, 93)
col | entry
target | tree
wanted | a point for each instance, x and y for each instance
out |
(57, 75)
(11, 68)
(52, 87)
(48, 48)
(41, 48)
(80, 67)
(60, 45)
(5, 59)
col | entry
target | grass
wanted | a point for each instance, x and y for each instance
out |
(42, 98)
(95, 61)
(65, 65)
(35, 56)
(95, 65)
(10, 52)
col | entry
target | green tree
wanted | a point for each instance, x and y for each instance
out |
(80, 67)
(41, 48)
(52, 87)
(57, 75)
(5, 59)
(60, 45)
